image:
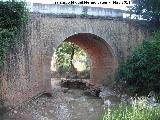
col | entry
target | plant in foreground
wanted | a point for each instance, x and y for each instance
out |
(139, 109)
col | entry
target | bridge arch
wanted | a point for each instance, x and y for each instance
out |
(28, 73)
(103, 58)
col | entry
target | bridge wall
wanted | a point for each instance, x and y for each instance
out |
(76, 10)
(27, 70)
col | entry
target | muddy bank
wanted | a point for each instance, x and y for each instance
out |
(81, 84)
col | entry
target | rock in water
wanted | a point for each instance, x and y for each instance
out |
(91, 110)
(152, 99)
(107, 103)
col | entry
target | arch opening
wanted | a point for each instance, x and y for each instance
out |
(69, 61)
(102, 59)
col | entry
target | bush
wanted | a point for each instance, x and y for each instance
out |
(141, 70)
(138, 110)
(13, 16)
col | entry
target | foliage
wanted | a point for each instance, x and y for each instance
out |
(65, 50)
(63, 68)
(65, 55)
(158, 98)
(141, 70)
(148, 9)
(140, 109)
(13, 15)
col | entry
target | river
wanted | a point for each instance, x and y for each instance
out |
(64, 104)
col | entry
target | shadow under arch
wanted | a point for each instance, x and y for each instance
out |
(103, 59)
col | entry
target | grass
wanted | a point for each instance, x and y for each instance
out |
(138, 110)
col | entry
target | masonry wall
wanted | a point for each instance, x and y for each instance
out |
(27, 70)
(23, 76)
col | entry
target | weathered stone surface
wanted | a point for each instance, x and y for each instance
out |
(27, 70)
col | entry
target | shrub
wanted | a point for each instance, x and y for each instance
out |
(138, 110)
(13, 15)
(141, 70)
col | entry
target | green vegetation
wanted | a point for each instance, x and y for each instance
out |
(67, 53)
(13, 16)
(139, 109)
(141, 70)
(149, 10)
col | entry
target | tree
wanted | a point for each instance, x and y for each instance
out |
(65, 54)
(141, 70)
(148, 9)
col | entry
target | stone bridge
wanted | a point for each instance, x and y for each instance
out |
(101, 32)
